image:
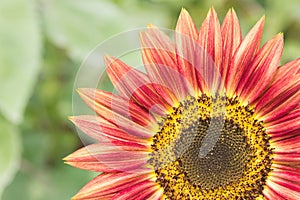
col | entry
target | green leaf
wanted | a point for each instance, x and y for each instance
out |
(291, 50)
(69, 180)
(280, 16)
(79, 26)
(20, 184)
(59, 182)
(19, 55)
(10, 153)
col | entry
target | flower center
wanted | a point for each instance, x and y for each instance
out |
(219, 165)
(211, 148)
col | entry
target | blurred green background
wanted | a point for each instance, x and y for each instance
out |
(43, 43)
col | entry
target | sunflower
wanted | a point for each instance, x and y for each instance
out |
(213, 116)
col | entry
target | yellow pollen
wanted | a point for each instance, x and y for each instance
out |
(211, 148)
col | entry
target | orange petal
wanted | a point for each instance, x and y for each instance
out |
(243, 56)
(186, 35)
(135, 85)
(261, 71)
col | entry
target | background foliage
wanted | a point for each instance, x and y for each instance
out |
(43, 42)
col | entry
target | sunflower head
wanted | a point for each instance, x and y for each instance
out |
(213, 116)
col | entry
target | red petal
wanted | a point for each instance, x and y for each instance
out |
(289, 144)
(280, 171)
(285, 168)
(286, 175)
(284, 157)
(209, 54)
(157, 195)
(243, 56)
(139, 191)
(285, 135)
(289, 117)
(287, 99)
(281, 97)
(286, 124)
(110, 157)
(113, 166)
(134, 85)
(97, 99)
(261, 71)
(288, 70)
(159, 57)
(271, 194)
(285, 189)
(99, 129)
(109, 183)
(186, 36)
(231, 39)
